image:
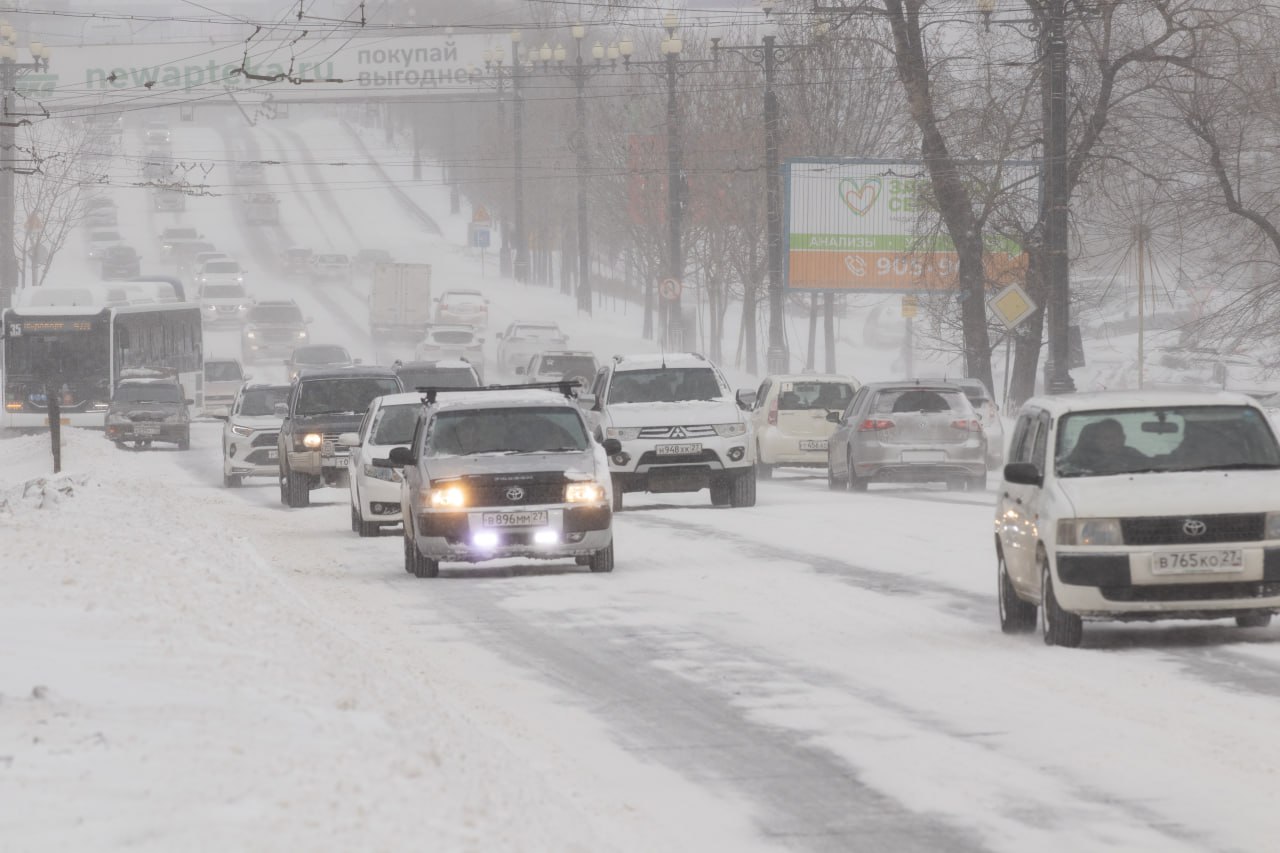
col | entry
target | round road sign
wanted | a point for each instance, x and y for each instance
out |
(669, 288)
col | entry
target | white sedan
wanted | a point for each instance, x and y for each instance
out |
(375, 491)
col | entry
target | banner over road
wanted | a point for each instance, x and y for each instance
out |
(868, 225)
(325, 68)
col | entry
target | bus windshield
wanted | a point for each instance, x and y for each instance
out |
(72, 352)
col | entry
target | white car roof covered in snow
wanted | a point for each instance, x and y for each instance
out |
(1095, 401)
(648, 361)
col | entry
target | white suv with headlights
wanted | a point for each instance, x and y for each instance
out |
(1138, 506)
(680, 428)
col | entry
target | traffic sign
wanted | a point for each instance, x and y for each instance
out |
(1012, 305)
(669, 288)
(480, 214)
(910, 306)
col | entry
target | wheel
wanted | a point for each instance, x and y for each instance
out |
(184, 443)
(422, 567)
(617, 495)
(978, 483)
(297, 490)
(834, 483)
(602, 560)
(1257, 619)
(720, 492)
(956, 484)
(364, 528)
(854, 482)
(410, 553)
(118, 443)
(1016, 616)
(232, 481)
(742, 490)
(1059, 627)
(764, 471)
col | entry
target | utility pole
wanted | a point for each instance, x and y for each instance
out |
(493, 59)
(1056, 195)
(519, 237)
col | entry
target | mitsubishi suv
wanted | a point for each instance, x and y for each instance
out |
(679, 426)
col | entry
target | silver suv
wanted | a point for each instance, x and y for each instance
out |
(680, 428)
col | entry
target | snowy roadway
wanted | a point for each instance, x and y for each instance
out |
(184, 666)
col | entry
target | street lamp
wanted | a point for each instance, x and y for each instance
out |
(767, 56)
(670, 67)
(579, 71)
(10, 71)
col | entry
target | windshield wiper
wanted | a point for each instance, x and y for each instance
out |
(1236, 466)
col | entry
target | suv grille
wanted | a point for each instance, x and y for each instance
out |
(265, 439)
(1173, 530)
(518, 490)
(700, 431)
(331, 446)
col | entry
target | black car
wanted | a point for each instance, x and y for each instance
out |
(323, 404)
(148, 410)
(450, 373)
(120, 262)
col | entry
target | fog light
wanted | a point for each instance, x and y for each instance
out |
(575, 537)
(736, 453)
(621, 458)
(485, 539)
(545, 537)
(231, 451)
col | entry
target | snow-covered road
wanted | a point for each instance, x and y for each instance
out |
(184, 666)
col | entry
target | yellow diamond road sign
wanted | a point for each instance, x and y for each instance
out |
(1012, 305)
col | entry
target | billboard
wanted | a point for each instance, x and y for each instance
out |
(320, 67)
(868, 225)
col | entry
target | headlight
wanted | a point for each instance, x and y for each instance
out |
(623, 433)
(727, 430)
(242, 430)
(447, 497)
(391, 475)
(242, 307)
(583, 493)
(211, 307)
(302, 334)
(250, 334)
(1273, 526)
(1089, 531)
(313, 440)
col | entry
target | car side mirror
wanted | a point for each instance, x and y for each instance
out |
(1022, 474)
(587, 401)
(835, 417)
(399, 457)
(612, 446)
(280, 410)
(746, 398)
(519, 371)
(349, 439)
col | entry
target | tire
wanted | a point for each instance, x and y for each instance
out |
(978, 483)
(742, 491)
(355, 519)
(853, 481)
(721, 492)
(617, 495)
(184, 443)
(602, 560)
(297, 490)
(119, 444)
(1259, 619)
(833, 483)
(763, 471)
(410, 552)
(1016, 616)
(364, 529)
(232, 481)
(1059, 627)
(957, 484)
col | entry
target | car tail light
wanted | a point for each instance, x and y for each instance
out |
(967, 424)
(875, 425)
(773, 414)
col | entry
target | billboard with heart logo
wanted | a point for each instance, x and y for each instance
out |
(869, 225)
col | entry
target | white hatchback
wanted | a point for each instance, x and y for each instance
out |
(1138, 505)
(789, 416)
(375, 490)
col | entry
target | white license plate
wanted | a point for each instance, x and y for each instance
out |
(514, 519)
(273, 455)
(334, 461)
(1191, 562)
(924, 456)
(816, 444)
(146, 430)
(677, 449)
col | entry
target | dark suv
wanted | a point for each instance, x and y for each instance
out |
(148, 410)
(322, 405)
(272, 328)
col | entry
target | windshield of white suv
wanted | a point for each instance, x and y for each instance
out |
(438, 377)
(537, 332)
(394, 424)
(221, 291)
(665, 385)
(222, 267)
(568, 365)
(275, 314)
(453, 336)
(262, 401)
(816, 396)
(518, 430)
(1183, 438)
(349, 395)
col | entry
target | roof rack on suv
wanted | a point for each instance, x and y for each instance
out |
(568, 388)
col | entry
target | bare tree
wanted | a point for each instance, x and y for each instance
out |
(50, 195)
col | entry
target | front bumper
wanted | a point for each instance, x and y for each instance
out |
(313, 462)
(244, 458)
(1120, 584)
(379, 499)
(579, 531)
(640, 468)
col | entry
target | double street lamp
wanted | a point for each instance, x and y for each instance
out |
(579, 71)
(10, 71)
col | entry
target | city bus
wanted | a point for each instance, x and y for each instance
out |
(82, 350)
